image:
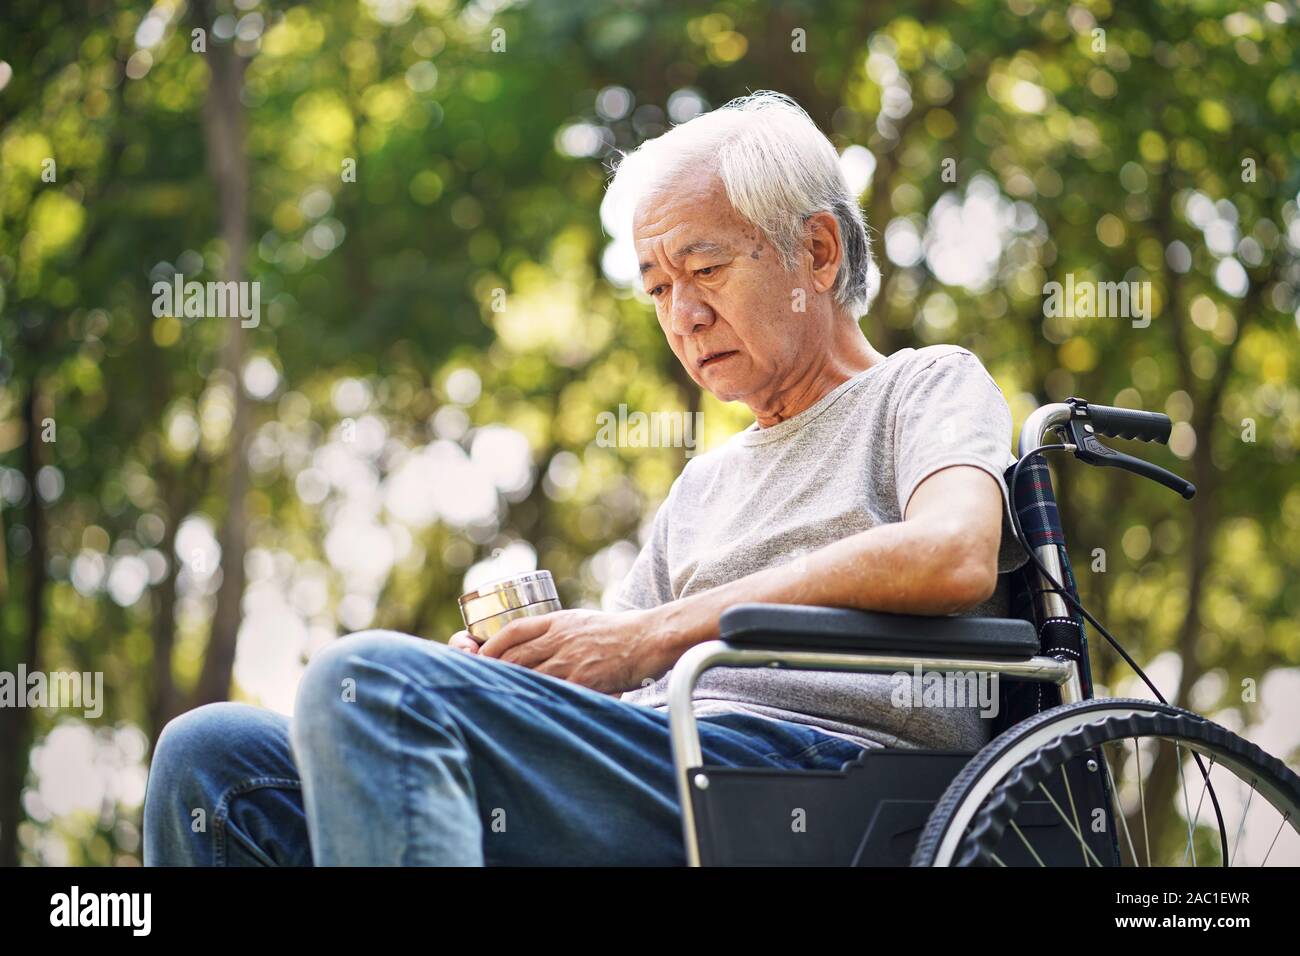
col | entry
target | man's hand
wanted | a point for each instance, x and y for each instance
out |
(608, 652)
(463, 642)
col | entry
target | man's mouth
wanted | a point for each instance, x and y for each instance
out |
(712, 358)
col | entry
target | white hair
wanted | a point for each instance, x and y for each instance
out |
(778, 169)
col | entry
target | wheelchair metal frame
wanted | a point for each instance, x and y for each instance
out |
(687, 754)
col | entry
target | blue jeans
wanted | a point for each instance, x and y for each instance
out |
(403, 751)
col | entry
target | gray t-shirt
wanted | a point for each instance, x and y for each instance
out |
(847, 463)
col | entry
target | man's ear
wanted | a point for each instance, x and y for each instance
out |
(822, 243)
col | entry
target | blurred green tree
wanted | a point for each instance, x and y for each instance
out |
(417, 189)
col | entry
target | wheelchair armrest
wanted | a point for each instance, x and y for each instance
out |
(807, 628)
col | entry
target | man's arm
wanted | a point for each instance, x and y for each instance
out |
(941, 559)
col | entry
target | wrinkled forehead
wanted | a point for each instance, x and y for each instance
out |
(687, 201)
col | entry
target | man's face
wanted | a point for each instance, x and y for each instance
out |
(720, 290)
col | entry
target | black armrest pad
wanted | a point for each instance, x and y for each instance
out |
(802, 627)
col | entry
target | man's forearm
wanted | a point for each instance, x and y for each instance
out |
(907, 567)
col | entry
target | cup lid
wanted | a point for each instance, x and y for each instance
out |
(506, 593)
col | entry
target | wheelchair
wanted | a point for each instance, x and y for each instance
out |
(1050, 788)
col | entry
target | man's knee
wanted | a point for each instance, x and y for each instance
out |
(198, 758)
(198, 736)
(361, 668)
(191, 755)
(336, 672)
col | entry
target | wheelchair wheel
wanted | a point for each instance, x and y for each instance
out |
(1111, 770)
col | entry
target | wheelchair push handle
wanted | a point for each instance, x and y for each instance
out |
(1125, 422)
(1087, 421)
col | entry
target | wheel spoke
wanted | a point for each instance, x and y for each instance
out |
(1027, 844)
(1241, 827)
(1285, 818)
(1205, 786)
(1087, 850)
(1182, 780)
(1119, 804)
(1078, 827)
(1142, 800)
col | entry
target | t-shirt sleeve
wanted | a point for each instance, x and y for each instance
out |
(951, 412)
(648, 583)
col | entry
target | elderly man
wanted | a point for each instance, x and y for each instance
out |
(866, 481)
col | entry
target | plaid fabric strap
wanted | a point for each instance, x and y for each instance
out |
(1035, 505)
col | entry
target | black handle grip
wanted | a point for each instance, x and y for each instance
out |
(1129, 423)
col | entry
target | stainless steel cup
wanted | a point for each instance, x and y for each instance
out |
(493, 605)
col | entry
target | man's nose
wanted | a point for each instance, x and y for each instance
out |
(690, 312)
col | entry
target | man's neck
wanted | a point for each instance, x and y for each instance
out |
(849, 356)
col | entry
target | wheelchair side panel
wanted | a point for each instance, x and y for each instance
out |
(871, 813)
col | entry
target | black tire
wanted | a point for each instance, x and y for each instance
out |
(985, 796)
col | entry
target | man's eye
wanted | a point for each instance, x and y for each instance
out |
(707, 270)
(656, 291)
